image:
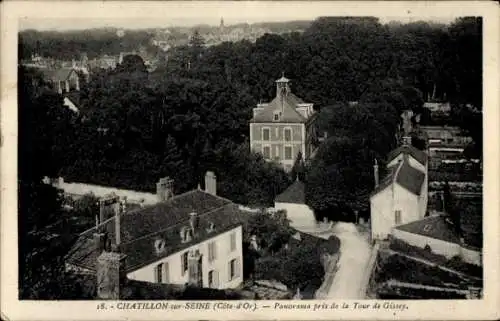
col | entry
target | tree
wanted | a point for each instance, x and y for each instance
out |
(44, 230)
(340, 179)
(298, 169)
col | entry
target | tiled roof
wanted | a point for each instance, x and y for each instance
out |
(287, 104)
(295, 193)
(405, 175)
(416, 153)
(141, 228)
(59, 74)
(410, 178)
(432, 226)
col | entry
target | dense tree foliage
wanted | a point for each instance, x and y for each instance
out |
(44, 229)
(192, 114)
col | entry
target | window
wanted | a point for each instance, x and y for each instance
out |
(397, 217)
(288, 152)
(234, 269)
(288, 134)
(233, 242)
(266, 133)
(159, 273)
(212, 251)
(213, 279)
(266, 151)
(184, 263)
(276, 116)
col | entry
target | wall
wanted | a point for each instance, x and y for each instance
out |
(471, 256)
(408, 203)
(220, 264)
(382, 215)
(80, 189)
(383, 206)
(277, 142)
(447, 249)
(300, 215)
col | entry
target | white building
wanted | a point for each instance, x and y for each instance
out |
(401, 197)
(292, 200)
(193, 238)
(437, 235)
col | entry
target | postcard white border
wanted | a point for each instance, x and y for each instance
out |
(12, 11)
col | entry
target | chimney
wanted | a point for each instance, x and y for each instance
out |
(194, 260)
(375, 173)
(99, 241)
(105, 203)
(406, 140)
(211, 183)
(165, 189)
(193, 222)
(111, 274)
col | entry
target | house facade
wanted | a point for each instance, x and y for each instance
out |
(193, 238)
(284, 127)
(401, 197)
(219, 261)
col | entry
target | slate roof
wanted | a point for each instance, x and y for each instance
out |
(410, 178)
(287, 104)
(141, 228)
(60, 74)
(416, 153)
(295, 194)
(405, 175)
(432, 226)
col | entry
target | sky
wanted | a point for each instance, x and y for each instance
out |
(166, 14)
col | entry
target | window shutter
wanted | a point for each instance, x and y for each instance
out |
(237, 267)
(214, 254)
(216, 279)
(167, 273)
(183, 264)
(229, 276)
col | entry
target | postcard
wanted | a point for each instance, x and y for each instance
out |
(260, 160)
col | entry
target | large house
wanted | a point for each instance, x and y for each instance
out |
(193, 238)
(284, 127)
(401, 197)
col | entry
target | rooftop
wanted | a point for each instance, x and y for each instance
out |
(162, 221)
(435, 227)
(295, 194)
(405, 175)
(286, 104)
(59, 74)
(414, 152)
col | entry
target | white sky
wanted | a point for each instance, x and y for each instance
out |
(133, 15)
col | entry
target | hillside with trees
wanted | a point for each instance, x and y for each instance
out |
(192, 113)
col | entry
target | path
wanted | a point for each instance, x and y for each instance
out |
(355, 251)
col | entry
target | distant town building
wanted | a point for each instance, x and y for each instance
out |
(282, 128)
(63, 80)
(438, 107)
(194, 238)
